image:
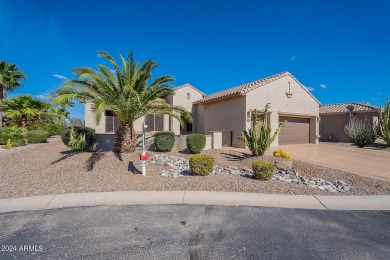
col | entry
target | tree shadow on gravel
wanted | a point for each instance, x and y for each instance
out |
(235, 157)
(95, 157)
(66, 154)
(119, 156)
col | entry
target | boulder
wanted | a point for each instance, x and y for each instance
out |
(284, 165)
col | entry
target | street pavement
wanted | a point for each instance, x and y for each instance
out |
(194, 232)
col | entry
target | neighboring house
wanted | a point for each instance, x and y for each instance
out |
(334, 118)
(230, 111)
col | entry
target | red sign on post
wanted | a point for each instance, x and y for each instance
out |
(143, 157)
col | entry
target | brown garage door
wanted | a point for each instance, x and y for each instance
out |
(295, 131)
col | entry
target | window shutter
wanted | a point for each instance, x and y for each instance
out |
(109, 121)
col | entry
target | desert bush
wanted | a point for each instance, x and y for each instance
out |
(37, 136)
(384, 123)
(201, 164)
(76, 142)
(90, 136)
(164, 141)
(263, 170)
(52, 129)
(14, 133)
(196, 142)
(258, 142)
(360, 132)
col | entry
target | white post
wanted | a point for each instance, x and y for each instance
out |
(143, 157)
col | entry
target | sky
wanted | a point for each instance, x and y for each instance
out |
(340, 50)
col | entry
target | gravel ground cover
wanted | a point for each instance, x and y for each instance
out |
(51, 169)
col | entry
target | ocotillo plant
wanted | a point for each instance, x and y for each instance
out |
(256, 141)
(384, 123)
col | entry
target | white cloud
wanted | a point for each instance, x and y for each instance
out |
(322, 85)
(293, 58)
(375, 98)
(309, 89)
(43, 96)
(59, 76)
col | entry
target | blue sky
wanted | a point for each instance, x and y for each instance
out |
(338, 49)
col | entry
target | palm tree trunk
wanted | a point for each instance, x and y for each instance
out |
(3, 93)
(125, 139)
(23, 122)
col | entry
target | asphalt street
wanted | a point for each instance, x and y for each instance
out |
(194, 232)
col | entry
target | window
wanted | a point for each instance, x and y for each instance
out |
(154, 122)
(112, 122)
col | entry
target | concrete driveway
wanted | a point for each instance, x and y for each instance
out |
(365, 162)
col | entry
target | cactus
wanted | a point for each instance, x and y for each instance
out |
(259, 142)
(384, 123)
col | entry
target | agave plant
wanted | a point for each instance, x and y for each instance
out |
(128, 92)
(384, 123)
(258, 141)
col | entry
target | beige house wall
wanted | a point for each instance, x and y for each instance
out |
(101, 127)
(300, 104)
(90, 120)
(226, 114)
(332, 126)
(181, 99)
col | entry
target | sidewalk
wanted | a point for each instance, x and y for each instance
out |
(197, 198)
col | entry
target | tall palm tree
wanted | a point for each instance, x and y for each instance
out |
(10, 77)
(128, 92)
(23, 108)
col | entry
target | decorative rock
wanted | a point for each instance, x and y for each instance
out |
(284, 165)
(180, 167)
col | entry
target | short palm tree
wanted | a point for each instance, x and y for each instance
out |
(23, 108)
(128, 92)
(10, 77)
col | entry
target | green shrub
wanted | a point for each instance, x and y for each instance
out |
(258, 140)
(16, 134)
(164, 141)
(37, 136)
(90, 136)
(263, 170)
(52, 129)
(76, 142)
(384, 123)
(196, 142)
(360, 132)
(201, 164)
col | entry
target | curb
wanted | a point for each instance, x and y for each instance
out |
(195, 198)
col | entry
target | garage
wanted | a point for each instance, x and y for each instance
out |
(295, 131)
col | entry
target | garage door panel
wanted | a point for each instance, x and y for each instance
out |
(295, 131)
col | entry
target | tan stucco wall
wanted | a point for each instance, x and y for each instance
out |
(198, 117)
(101, 127)
(332, 126)
(226, 114)
(90, 120)
(300, 104)
(180, 99)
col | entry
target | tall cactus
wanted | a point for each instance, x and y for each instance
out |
(259, 142)
(384, 123)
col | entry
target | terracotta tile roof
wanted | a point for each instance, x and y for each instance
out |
(342, 108)
(189, 85)
(245, 88)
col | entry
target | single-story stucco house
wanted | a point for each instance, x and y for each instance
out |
(229, 111)
(335, 117)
